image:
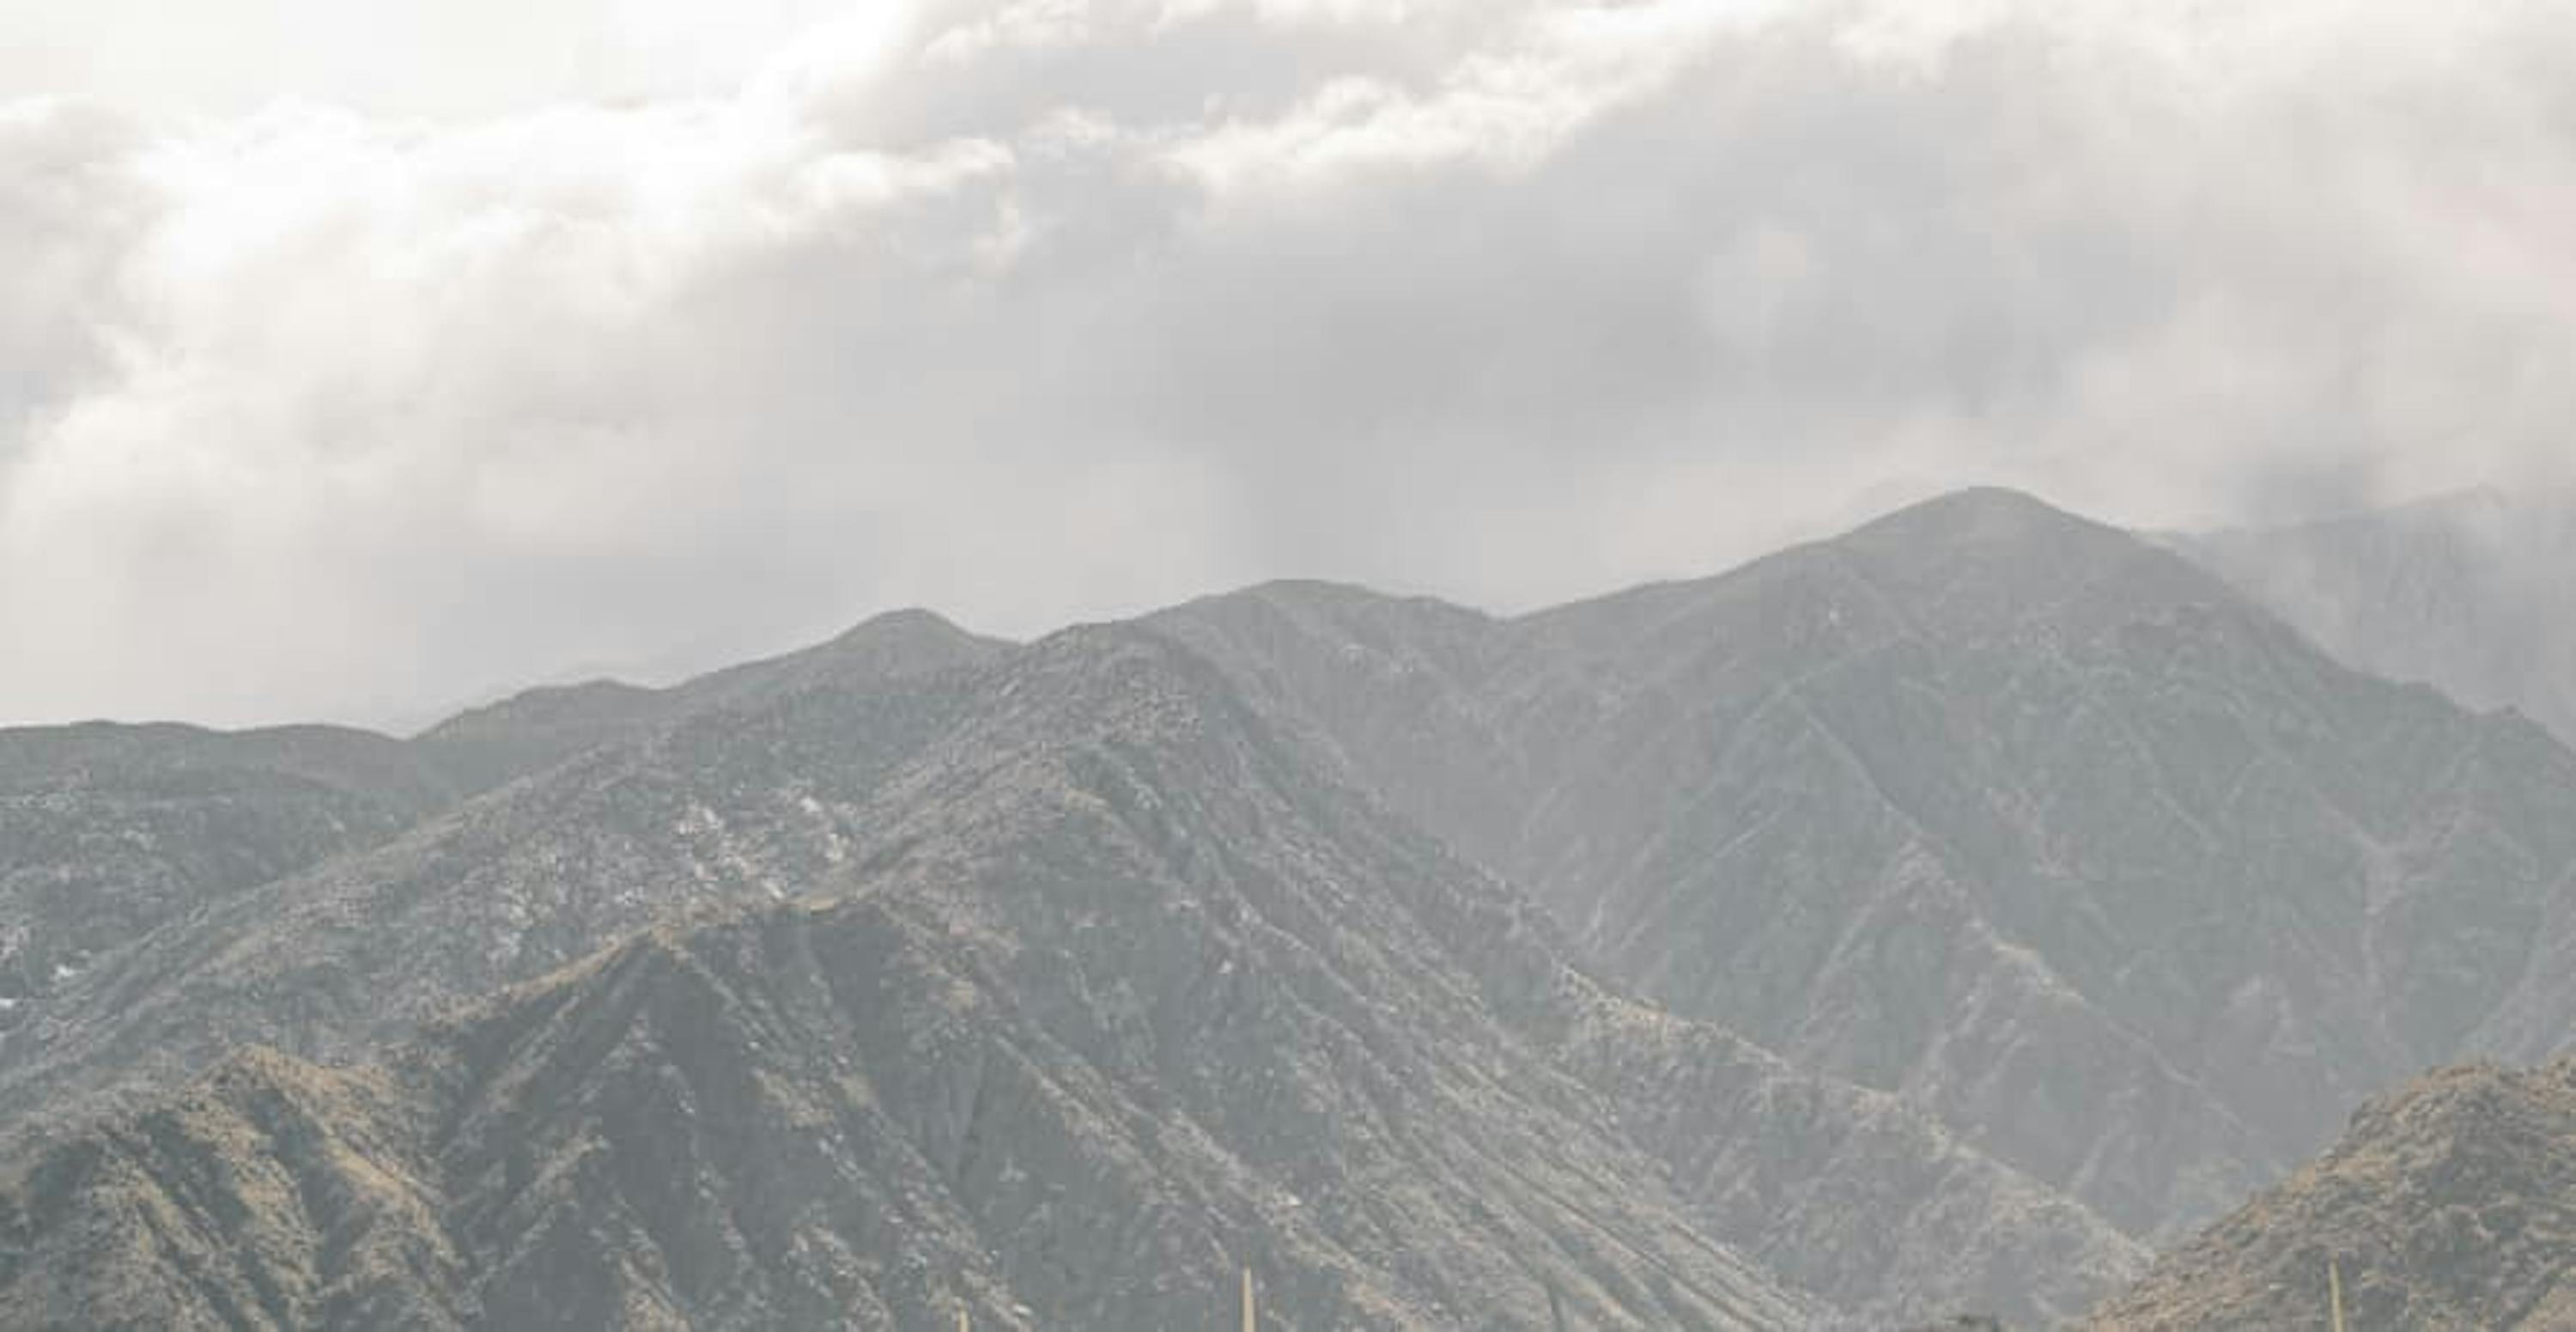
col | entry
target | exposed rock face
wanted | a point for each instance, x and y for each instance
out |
(2450, 1204)
(2020, 817)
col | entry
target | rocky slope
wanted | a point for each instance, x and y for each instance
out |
(2450, 1204)
(724, 806)
(1013, 798)
(2016, 816)
(1839, 1190)
(107, 830)
(1124, 1001)
(315, 942)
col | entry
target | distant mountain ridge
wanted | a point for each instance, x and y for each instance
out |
(2467, 591)
(531, 731)
(2015, 814)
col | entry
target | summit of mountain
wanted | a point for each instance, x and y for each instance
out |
(888, 646)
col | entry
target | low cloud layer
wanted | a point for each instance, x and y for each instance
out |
(1040, 309)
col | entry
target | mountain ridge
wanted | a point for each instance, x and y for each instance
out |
(1950, 702)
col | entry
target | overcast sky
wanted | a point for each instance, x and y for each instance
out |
(359, 359)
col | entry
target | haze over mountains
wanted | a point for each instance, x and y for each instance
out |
(1930, 919)
(2467, 591)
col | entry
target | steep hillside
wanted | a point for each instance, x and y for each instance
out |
(272, 1194)
(2449, 1204)
(1118, 1000)
(1106, 808)
(108, 830)
(727, 805)
(1851, 1193)
(2009, 813)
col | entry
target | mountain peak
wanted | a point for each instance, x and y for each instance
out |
(1982, 516)
(898, 642)
(1978, 561)
(912, 622)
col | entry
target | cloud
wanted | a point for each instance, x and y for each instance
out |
(1035, 310)
(401, 58)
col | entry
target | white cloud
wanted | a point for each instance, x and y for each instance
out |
(447, 59)
(1037, 310)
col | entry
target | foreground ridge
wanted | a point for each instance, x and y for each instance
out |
(2448, 1204)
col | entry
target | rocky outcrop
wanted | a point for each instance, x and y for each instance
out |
(2448, 1204)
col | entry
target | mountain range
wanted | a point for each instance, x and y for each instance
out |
(1936, 918)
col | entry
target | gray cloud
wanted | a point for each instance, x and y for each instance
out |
(1036, 310)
